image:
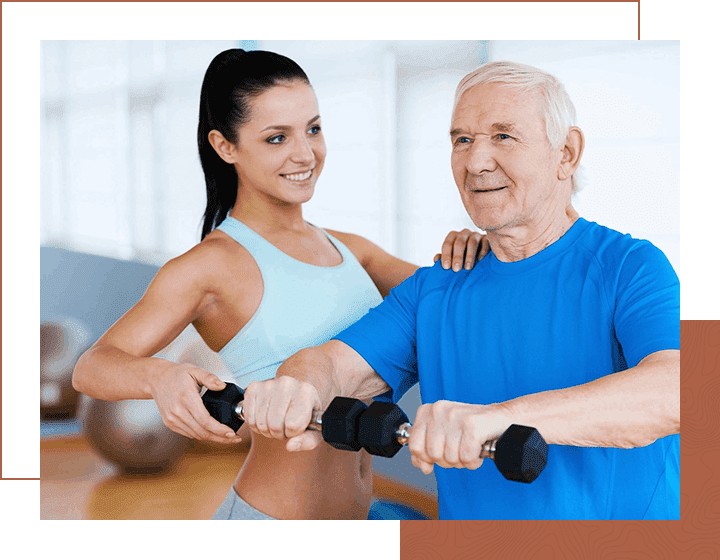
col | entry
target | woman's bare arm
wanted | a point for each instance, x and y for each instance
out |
(120, 364)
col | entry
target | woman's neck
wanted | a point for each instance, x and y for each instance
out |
(267, 216)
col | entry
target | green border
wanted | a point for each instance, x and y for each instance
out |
(23, 26)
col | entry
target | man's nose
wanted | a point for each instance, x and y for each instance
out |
(480, 157)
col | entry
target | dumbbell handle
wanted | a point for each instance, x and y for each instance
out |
(315, 422)
(402, 434)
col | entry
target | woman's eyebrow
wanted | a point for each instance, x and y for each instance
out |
(286, 127)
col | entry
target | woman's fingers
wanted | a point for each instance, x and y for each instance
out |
(462, 249)
(471, 250)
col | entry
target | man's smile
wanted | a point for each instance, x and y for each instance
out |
(496, 189)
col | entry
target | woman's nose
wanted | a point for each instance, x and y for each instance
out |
(303, 151)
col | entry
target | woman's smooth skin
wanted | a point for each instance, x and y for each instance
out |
(217, 287)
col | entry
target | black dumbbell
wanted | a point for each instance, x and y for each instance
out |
(382, 429)
(338, 424)
(520, 453)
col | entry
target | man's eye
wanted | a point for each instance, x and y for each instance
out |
(276, 139)
(315, 129)
(462, 140)
(503, 136)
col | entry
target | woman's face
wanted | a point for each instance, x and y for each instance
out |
(281, 149)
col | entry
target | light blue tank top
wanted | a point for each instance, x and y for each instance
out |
(302, 305)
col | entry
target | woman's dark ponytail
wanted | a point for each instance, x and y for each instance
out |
(233, 78)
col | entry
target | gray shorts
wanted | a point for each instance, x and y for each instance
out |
(234, 507)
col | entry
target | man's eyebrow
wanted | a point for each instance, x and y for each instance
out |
(504, 126)
(500, 127)
(285, 127)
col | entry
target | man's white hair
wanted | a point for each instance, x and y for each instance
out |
(557, 108)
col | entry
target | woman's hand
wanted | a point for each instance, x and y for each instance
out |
(177, 395)
(462, 249)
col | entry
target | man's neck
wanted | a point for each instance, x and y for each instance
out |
(511, 244)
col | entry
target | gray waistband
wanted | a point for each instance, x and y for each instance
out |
(234, 507)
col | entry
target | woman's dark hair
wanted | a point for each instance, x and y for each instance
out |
(232, 80)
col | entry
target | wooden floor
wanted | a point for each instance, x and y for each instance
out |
(78, 483)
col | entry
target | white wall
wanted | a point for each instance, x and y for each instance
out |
(121, 177)
(627, 97)
(386, 109)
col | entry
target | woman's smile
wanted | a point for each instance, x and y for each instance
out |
(298, 176)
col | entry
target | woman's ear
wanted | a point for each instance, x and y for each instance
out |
(571, 153)
(224, 148)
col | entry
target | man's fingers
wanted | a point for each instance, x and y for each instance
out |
(306, 441)
(254, 409)
(277, 415)
(424, 466)
(449, 454)
(297, 419)
(469, 451)
(418, 446)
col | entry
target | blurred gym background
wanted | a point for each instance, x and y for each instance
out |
(122, 192)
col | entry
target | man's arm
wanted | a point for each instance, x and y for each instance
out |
(308, 380)
(383, 340)
(631, 408)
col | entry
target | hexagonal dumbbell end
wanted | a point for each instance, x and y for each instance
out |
(340, 423)
(378, 426)
(521, 453)
(221, 405)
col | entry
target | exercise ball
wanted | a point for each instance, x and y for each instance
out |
(62, 342)
(132, 435)
(382, 509)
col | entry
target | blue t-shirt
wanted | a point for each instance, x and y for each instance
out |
(593, 303)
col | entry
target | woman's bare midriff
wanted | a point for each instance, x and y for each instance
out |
(325, 483)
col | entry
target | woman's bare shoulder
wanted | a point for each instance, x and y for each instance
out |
(215, 259)
(356, 243)
(363, 249)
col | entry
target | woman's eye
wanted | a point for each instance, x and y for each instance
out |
(276, 139)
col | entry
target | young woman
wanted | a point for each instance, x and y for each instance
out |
(262, 284)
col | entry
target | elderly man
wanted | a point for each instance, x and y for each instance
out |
(566, 326)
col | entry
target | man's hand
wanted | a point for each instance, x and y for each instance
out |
(282, 408)
(462, 249)
(176, 393)
(451, 434)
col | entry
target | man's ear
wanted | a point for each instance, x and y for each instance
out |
(571, 153)
(224, 148)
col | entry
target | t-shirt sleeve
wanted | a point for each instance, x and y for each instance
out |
(647, 304)
(386, 336)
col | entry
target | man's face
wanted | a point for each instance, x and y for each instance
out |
(502, 161)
